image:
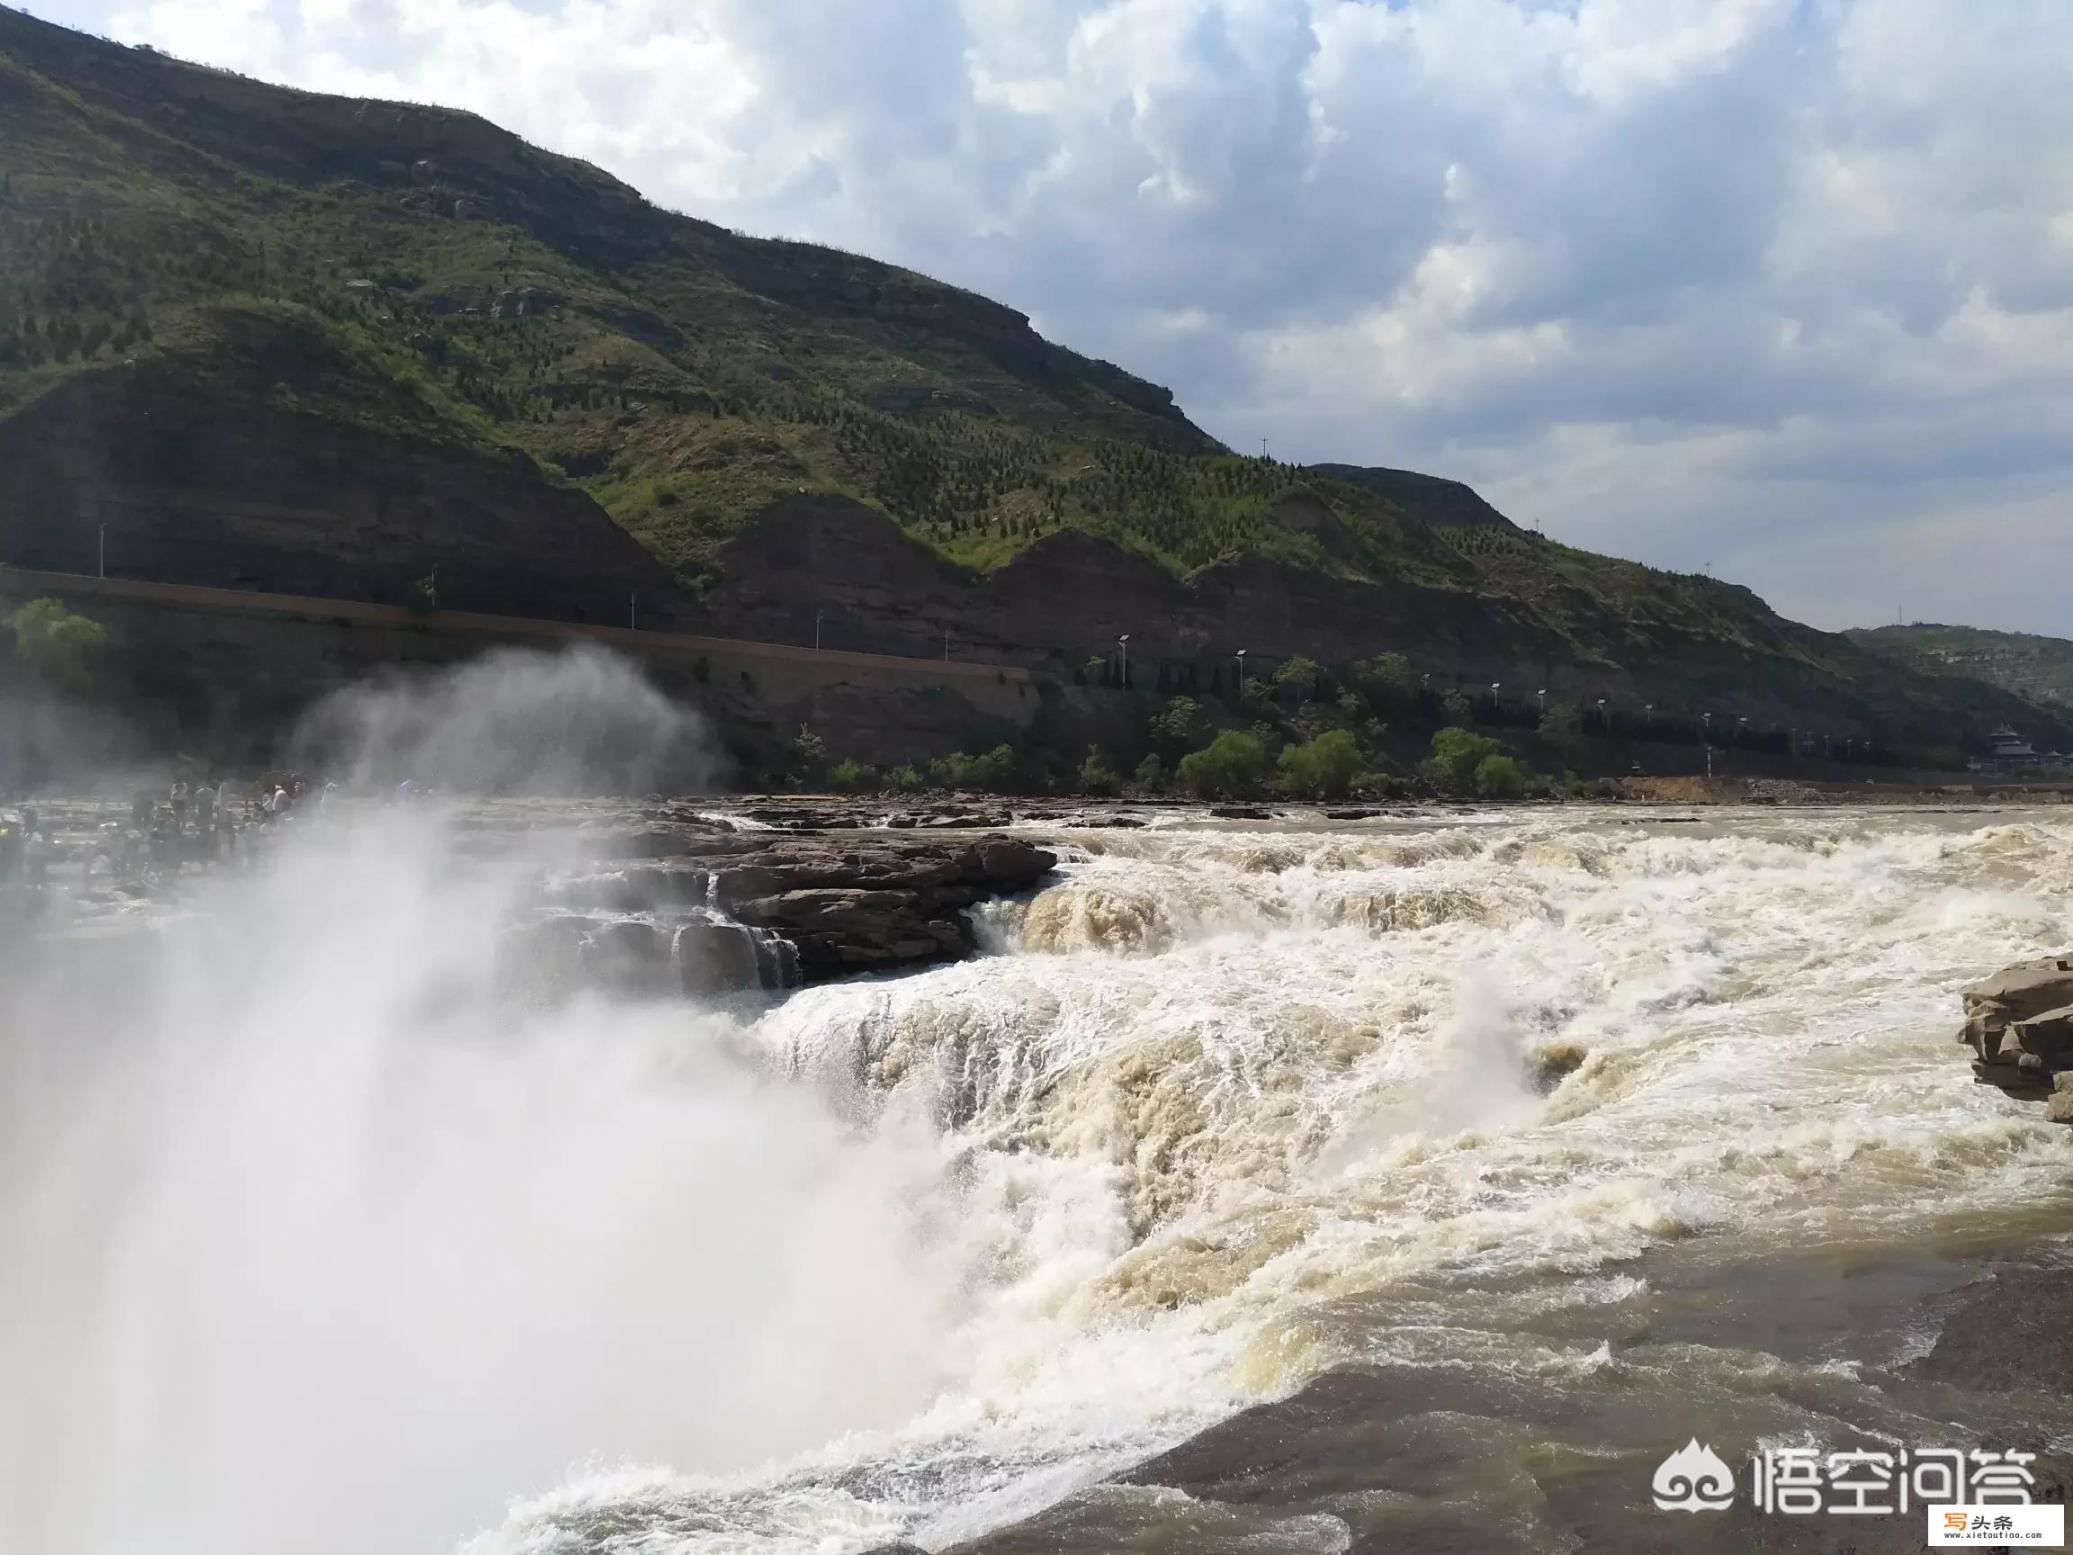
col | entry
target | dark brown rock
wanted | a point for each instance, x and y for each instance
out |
(2009, 1334)
(716, 958)
(878, 900)
(2019, 1025)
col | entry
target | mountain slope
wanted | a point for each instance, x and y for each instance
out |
(1428, 497)
(2027, 665)
(272, 337)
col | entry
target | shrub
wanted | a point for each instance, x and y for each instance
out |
(852, 777)
(1180, 728)
(1229, 769)
(904, 780)
(1324, 767)
(1151, 773)
(1456, 754)
(1385, 682)
(1500, 777)
(1297, 679)
(809, 755)
(994, 771)
(1096, 775)
(59, 645)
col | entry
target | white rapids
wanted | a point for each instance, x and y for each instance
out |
(908, 1258)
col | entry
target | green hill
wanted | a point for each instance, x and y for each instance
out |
(333, 345)
(2039, 668)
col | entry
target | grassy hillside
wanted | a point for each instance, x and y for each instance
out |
(684, 375)
(2040, 668)
(162, 218)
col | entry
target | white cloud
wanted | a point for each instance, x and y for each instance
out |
(1786, 285)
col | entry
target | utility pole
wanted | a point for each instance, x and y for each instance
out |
(946, 645)
(1263, 448)
(817, 630)
(633, 623)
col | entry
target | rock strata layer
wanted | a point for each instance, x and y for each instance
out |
(2019, 1025)
(719, 909)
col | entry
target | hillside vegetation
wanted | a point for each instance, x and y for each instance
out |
(2040, 668)
(419, 273)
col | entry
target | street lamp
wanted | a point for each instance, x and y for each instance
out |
(1123, 642)
(1240, 657)
(1542, 693)
(1604, 718)
(946, 645)
(817, 629)
(1495, 687)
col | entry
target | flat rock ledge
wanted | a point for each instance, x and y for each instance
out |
(2019, 1025)
(674, 904)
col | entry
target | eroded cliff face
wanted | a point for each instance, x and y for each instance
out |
(278, 464)
(1070, 595)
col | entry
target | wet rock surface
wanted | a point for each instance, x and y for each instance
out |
(1437, 1456)
(725, 908)
(2019, 1025)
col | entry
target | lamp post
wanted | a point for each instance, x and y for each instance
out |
(1123, 642)
(101, 552)
(1707, 720)
(1542, 693)
(1495, 687)
(632, 619)
(817, 629)
(1240, 657)
(946, 645)
(1604, 718)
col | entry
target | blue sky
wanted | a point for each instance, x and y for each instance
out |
(1780, 286)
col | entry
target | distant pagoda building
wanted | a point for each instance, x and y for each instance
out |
(2008, 751)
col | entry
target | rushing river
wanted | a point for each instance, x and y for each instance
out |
(309, 1241)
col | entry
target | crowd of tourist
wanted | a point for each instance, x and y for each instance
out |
(199, 824)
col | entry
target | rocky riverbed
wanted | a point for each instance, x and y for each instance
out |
(1202, 1184)
(687, 898)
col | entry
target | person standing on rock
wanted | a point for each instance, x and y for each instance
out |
(205, 819)
(37, 847)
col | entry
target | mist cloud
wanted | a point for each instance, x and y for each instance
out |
(514, 721)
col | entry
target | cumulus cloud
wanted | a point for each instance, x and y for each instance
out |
(1785, 286)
